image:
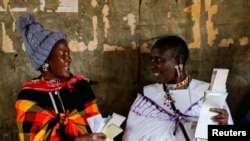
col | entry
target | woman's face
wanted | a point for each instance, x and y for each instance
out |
(163, 65)
(59, 61)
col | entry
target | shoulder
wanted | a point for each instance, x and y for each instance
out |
(196, 81)
(152, 89)
(79, 80)
(82, 82)
(198, 85)
(81, 85)
(197, 88)
(26, 92)
(29, 94)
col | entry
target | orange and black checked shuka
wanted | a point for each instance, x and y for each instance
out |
(36, 118)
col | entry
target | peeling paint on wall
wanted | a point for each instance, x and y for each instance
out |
(5, 4)
(13, 9)
(94, 3)
(195, 12)
(130, 18)
(76, 46)
(226, 42)
(169, 15)
(93, 37)
(47, 6)
(23, 47)
(133, 43)
(211, 32)
(244, 41)
(105, 13)
(144, 48)
(107, 47)
(7, 45)
(93, 44)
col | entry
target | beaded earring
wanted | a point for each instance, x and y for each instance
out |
(177, 70)
(181, 69)
(45, 67)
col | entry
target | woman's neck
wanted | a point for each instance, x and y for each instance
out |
(52, 80)
(181, 84)
(48, 77)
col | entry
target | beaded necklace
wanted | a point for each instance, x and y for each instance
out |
(182, 84)
(53, 80)
(169, 96)
(170, 101)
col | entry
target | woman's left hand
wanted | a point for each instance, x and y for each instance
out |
(222, 116)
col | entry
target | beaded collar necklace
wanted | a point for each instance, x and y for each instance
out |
(168, 95)
(182, 84)
(54, 81)
(170, 101)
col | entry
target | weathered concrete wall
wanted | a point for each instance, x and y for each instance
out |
(110, 42)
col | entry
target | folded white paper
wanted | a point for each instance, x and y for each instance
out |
(218, 80)
(102, 124)
(212, 100)
(109, 125)
(115, 119)
(112, 131)
(215, 97)
(94, 122)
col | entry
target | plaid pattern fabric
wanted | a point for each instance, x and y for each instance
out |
(40, 121)
(37, 122)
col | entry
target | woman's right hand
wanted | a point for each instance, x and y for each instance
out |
(222, 117)
(92, 137)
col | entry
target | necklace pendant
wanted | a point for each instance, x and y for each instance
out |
(167, 102)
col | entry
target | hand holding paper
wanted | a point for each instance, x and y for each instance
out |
(215, 97)
(109, 125)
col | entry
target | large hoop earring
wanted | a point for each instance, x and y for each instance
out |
(45, 67)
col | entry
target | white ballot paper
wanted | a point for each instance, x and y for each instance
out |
(215, 97)
(218, 80)
(94, 122)
(109, 125)
(112, 127)
(115, 119)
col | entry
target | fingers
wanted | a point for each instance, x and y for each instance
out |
(92, 137)
(222, 117)
(99, 136)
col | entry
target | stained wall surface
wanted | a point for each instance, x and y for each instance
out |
(110, 42)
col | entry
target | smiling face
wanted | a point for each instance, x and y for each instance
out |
(166, 53)
(59, 62)
(163, 65)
